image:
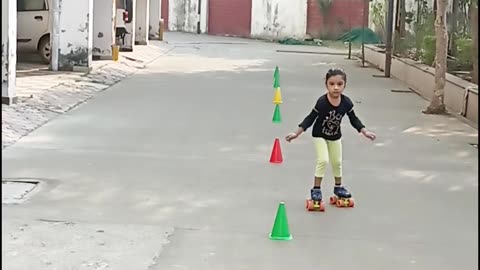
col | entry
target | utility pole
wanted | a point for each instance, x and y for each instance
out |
(388, 43)
(350, 34)
(364, 24)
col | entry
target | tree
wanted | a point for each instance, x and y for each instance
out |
(454, 27)
(399, 46)
(474, 27)
(437, 105)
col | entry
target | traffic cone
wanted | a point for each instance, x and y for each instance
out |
(277, 118)
(276, 156)
(280, 230)
(276, 78)
(277, 98)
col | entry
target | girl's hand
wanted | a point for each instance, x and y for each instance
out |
(291, 136)
(369, 135)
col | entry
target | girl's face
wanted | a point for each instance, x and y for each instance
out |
(335, 85)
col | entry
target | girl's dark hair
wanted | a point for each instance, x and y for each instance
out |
(334, 72)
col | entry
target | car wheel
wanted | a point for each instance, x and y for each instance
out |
(44, 49)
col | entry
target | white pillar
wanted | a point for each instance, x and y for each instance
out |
(142, 22)
(75, 40)
(9, 51)
(203, 16)
(103, 28)
(154, 18)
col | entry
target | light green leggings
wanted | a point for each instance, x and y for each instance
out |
(328, 151)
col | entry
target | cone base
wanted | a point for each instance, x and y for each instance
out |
(282, 238)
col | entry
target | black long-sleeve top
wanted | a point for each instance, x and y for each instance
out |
(327, 119)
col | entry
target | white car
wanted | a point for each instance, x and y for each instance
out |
(32, 27)
(33, 18)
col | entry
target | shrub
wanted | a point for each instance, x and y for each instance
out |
(429, 46)
(464, 54)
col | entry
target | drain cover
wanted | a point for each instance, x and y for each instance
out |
(14, 192)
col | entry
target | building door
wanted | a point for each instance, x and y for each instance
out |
(164, 14)
(314, 19)
(230, 18)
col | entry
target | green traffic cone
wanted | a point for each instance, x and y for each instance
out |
(277, 118)
(280, 230)
(276, 78)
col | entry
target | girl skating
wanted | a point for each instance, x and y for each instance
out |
(326, 118)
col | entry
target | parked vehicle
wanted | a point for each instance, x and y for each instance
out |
(33, 23)
(121, 18)
(33, 27)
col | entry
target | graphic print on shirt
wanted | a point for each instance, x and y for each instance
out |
(331, 123)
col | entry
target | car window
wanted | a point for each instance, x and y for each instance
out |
(31, 5)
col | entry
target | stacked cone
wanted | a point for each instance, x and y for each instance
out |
(276, 156)
(277, 97)
(277, 118)
(280, 229)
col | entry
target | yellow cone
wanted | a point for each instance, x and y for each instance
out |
(277, 98)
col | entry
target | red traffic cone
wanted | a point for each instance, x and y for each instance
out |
(276, 156)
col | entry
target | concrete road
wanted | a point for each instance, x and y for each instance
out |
(169, 170)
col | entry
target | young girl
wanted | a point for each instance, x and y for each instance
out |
(327, 115)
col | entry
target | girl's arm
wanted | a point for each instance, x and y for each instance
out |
(355, 122)
(308, 121)
(295, 134)
(299, 131)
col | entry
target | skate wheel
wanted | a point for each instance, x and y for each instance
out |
(322, 206)
(351, 203)
(309, 205)
(333, 200)
(339, 202)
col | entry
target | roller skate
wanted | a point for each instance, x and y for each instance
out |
(315, 203)
(342, 198)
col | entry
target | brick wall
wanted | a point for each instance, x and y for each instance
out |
(342, 13)
(229, 17)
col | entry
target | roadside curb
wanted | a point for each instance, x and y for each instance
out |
(33, 111)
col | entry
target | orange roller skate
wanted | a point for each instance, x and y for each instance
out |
(316, 202)
(342, 197)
